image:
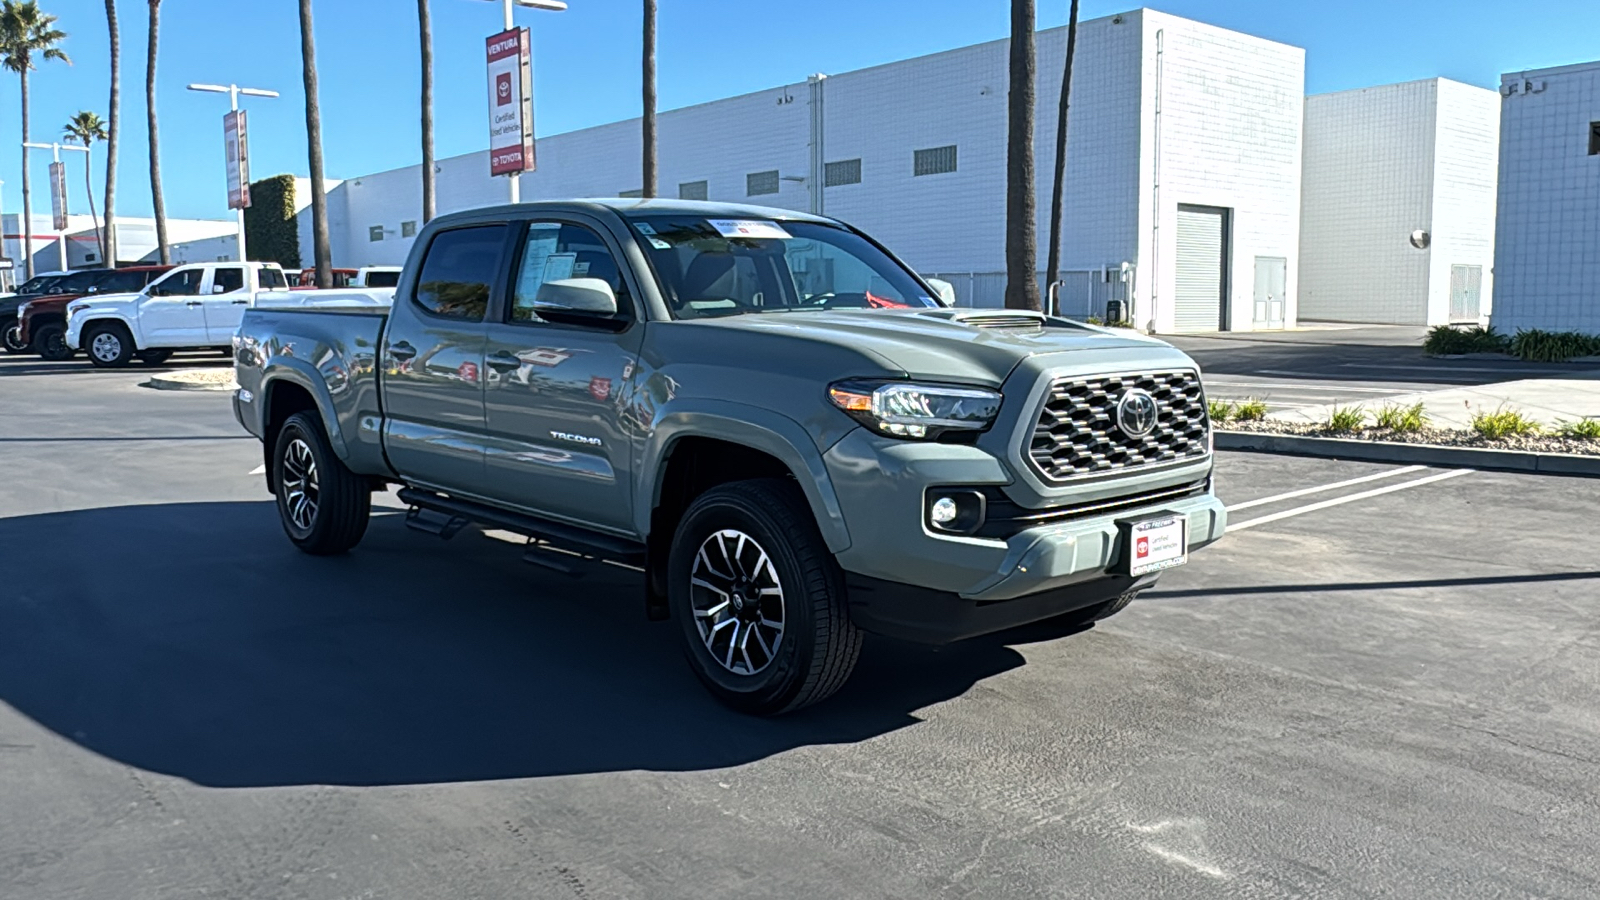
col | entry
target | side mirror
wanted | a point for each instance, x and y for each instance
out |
(945, 290)
(576, 296)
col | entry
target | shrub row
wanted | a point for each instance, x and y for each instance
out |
(1534, 345)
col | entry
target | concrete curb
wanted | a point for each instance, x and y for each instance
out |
(174, 381)
(1411, 454)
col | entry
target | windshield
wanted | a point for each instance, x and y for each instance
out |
(722, 267)
(77, 282)
(125, 282)
(38, 285)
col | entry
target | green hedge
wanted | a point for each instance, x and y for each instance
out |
(270, 230)
(1532, 344)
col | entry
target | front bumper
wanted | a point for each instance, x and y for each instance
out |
(909, 581)
(74, 331)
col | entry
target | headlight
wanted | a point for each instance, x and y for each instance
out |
(77, 308)
(908, 410)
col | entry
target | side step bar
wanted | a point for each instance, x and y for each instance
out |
(557, 533)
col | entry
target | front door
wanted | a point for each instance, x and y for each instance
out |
(226, 298)
(172, 311)
(433, 362)
(1271, 285)
(555, 390)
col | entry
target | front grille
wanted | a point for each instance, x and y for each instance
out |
(1004, 518)
(1077, 432)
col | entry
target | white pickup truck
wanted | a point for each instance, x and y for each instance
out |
(195, 306)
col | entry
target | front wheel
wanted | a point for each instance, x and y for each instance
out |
(50, 342)
(324, 507)
(109, 345)
(760, 602)
(11, 336)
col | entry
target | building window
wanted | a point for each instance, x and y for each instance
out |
(375, 233)
(692, 190)
(1594, 138)
(845, 171)
(934, 161)
(634, 194)
(408, 228)
(757, 183)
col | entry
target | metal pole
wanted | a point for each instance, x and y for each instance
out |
(514, 178)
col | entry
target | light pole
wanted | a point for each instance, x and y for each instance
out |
(233, 91)
(61, 233)
(515, 178)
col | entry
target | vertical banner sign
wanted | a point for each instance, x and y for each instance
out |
(510, 102)
(58, 196)
(234, 136)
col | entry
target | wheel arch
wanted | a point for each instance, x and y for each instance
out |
(101, 318)
(286, 390)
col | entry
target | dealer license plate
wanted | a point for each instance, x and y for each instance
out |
(1156, 544)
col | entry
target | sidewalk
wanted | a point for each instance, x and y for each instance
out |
(1548, 400)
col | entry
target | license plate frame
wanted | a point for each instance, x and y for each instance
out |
(1157, 531)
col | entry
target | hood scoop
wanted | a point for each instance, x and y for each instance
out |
(1012, 320)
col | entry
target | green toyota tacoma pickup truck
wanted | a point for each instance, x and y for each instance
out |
(789, 430)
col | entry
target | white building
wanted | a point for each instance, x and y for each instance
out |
(1547, 250)
(191, 240)
(1397, 215)
(1184, 158)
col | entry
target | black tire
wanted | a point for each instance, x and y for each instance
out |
(9, 335)
(341, 501)
(50, 342)
(108, 344)
(815, 650)
(154, 357)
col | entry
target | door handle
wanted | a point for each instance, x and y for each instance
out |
(402, 350)
(241, 303)
(194, 303)
(504, 362)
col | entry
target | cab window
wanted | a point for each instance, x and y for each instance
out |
(557, 250)
(227, 280)
(179, 284)
(270, 279)
(458, 272)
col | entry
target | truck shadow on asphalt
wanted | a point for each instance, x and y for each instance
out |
(192, 640)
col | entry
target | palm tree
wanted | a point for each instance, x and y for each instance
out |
(647, 127)
(319, 200)
(155, 144)
(85, 128)
(25, 32)
(110, 240)
(1022, 251)
(425, 28)
(1052, 268)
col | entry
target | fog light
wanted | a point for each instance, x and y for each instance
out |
(944, 511)
(954, 511)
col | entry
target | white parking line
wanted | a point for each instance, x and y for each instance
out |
(1235, 507)
(1324, 388)
(1301, 510)
(259, 470)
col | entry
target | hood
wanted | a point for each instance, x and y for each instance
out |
(100, 301)
(968, 345)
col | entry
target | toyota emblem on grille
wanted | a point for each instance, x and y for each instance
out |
(1136, 413)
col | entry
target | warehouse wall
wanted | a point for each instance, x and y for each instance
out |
(1229, 133)
(1466, 159)
(1547, 248)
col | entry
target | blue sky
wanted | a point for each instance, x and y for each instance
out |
(586, 67)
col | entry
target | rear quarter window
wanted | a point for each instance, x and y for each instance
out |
(459, 272)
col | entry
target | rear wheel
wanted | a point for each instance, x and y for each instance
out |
(324, 507)
(109, 344)
(50, 342)
(760, 602)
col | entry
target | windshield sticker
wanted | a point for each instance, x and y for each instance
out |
(580, 269)
(558, 266)
(659, 244)
(749, 228)
(644, 228)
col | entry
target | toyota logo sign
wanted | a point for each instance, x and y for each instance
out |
(1136, 413)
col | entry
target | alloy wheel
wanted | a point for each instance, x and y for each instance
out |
(738, 601)
(301, 492)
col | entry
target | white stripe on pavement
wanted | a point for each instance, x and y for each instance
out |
(1300, 510)
(1327, 388)
(1235, 507)
(259, 470)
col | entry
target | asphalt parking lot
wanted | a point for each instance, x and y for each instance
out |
(1328, 364)
(1382, 683)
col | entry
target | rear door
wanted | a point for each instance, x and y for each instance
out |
(172, 310)
(226, 299)
(433, 361)
(554, 390)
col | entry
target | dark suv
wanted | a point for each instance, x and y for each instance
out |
(42, 322)
(37, 286)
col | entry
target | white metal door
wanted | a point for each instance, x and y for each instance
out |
(1466, 293)
(1201, 268)
(1272, 276)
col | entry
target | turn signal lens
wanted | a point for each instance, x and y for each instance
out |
(850, 401)
(909, 410)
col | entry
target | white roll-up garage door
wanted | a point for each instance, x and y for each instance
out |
(1200, 269)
